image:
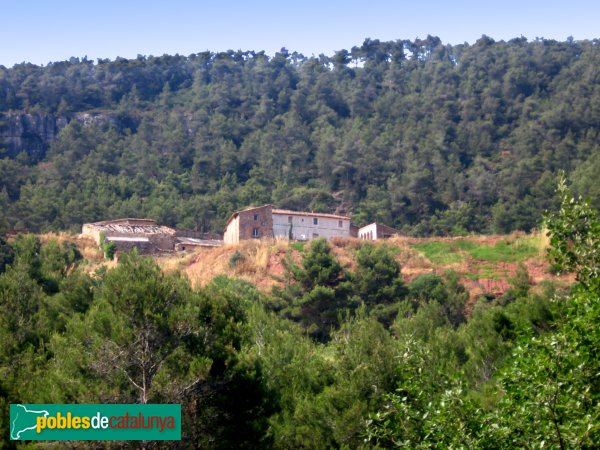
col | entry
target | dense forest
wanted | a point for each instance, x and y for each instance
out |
(335, 358)
(426, 137)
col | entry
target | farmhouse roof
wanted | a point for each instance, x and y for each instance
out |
(126, 221)
(287, 212)
(237, 213)
(133, 226)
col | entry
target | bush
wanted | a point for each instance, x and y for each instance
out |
(235, 259)
(109, 249)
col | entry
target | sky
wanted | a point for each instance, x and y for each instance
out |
(43, 31)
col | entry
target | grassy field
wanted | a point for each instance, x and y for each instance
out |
(518, 250)
(510, 249)
(298, 246)
(441, 252)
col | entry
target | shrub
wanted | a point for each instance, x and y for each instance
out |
(235, 258)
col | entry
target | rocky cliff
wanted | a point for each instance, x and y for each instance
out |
(30, 133)
(33, 133)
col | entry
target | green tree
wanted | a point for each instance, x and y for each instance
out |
(574, 242)
(316, 292)
(377, 281)
(446, 290)
(7, 254)
(148, 337)
(551, 388)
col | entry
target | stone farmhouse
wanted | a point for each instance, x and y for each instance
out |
(376, 231)
(267, 222)
(251, 223)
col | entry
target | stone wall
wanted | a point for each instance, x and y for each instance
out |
(256, 223)
(143, 248)
(162, 242)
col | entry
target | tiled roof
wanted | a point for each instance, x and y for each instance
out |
(127, 228)
(235, 214)
(126, 221)
(287, 212)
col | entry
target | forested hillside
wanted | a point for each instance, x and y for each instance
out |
(427, 137)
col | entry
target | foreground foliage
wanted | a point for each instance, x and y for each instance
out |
(336, 358)
(547, 394)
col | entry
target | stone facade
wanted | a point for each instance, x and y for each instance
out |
(124, 244)
(250, 223)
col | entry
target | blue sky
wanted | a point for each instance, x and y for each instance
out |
(42, 31)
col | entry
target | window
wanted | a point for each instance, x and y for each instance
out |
(255, 217)
(255, 232)
(315, 235)
(340, 224)
(315, 221)
(289, 219)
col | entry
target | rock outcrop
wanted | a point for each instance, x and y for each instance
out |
(33, 133)
(29, 133)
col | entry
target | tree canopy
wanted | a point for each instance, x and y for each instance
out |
(427, 137)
